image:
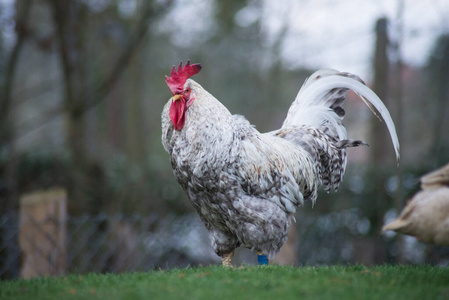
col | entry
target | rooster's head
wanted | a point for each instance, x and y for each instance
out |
(181, 94)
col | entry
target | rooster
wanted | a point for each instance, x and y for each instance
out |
(245, 185)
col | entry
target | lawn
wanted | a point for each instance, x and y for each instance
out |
(268, 282)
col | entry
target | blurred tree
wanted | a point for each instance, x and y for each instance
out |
(8, 198)
(248, 76)
(80, 95)
(70, 26)
(381, 65)
(379, 152)
(8, 156)
(438, 78)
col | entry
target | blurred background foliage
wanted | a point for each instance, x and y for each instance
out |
(82, 89)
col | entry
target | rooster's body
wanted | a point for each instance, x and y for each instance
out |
(246, 186)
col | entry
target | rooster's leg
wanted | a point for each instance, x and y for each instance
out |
(226, 259)
(261, 258)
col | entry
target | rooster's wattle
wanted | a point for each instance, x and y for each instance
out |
(246, 185)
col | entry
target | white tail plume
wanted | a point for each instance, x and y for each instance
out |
(318, 104)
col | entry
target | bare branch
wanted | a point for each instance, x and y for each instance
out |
(122, 62)
(101, 90)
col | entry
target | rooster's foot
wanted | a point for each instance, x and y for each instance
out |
(226, 259)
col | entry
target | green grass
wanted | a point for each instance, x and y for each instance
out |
(269, 282)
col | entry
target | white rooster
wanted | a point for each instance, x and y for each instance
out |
(246, 185)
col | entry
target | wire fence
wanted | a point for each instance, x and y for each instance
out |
(107, 243)
(119, 243)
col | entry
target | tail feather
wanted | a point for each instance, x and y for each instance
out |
(314, 121)
(318, 104)
(396, 225)
(350, 143)
(328, 152)
(437, 178)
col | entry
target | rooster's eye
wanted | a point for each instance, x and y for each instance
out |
(187, 90)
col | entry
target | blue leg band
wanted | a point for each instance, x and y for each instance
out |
(262, 259)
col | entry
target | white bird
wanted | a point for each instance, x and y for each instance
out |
(246, 185)
(426, 215)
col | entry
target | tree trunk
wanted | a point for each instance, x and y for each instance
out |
(379, 151)
(70, 19)
(9, 196)
(9, 201)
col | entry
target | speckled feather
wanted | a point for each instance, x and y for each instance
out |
(246, 186)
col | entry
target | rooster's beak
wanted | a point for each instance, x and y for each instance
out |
(176, 97)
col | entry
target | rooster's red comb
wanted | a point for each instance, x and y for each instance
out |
(179, 77)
